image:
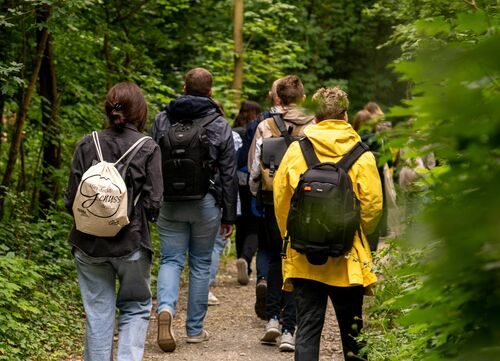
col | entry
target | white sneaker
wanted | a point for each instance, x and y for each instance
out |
(203, 336)
(242, 266)
(212, 300)
(287, 343)
(272, 332)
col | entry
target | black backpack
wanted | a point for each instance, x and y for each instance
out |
(273, 150)
(186, 163)
(324, 212)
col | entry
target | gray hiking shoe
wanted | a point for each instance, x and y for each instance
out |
(203, 336)
(212, 300)
(272, 332)
(287, 342)
(166, 339)
(242, 266)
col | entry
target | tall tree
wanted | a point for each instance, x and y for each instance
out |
(51, 144)
(22, 115)
(238, 10)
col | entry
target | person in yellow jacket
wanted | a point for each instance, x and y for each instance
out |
(345, 279)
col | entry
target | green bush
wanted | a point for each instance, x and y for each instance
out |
(41, 317)
(451, 255)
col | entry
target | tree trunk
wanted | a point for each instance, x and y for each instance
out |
(2, 105)
(21, 118)
(51, 129)
(238, 50)
(109, 63)
(107, 51)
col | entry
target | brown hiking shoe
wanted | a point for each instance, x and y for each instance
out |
(166, 339)
(260, 298)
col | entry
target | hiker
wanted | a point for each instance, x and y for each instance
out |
(220, 243)
(344, 279)
(370, 126)
(289, 123)
(245, 158)
(246, 223)
(199, 181)
(412, 177)
(127, 256)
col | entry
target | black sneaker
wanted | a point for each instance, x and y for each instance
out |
(260, 298)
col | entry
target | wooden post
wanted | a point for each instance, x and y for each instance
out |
(238, 49)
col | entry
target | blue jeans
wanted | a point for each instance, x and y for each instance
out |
(97, 280)
(187, 227)
(219, 245)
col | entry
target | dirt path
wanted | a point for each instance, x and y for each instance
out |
(234, 328)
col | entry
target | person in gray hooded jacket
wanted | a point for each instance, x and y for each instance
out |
(190, 226)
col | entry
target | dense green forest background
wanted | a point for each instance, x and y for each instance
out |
(436, 63)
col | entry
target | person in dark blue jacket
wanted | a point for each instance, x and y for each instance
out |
(190, 226)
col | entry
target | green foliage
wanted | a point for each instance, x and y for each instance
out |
(451, 312)
(40, 311)
(434, 303)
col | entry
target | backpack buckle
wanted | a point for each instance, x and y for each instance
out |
(286, 239)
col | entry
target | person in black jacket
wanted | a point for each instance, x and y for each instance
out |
(190, 226)
(128, 255)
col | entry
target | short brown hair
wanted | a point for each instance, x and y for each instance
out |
(198, 82)
(361, 117)
(373, 108)
(125, 104)
(290, 89)
(332, 103)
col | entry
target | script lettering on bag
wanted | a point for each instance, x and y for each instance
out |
(109, 197)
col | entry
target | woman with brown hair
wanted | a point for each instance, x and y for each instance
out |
(127, 256)
(246, 238)
(248, 112)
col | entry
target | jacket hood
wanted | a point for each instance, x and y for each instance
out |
(191, 107)
(332, 136)
(296, 115)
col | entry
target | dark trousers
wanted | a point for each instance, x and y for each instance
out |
(262, 257)
(246, 228)
(277, 299)
(311, 299)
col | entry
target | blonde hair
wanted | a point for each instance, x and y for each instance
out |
(332, 103)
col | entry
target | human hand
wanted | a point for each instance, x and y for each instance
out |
(226, 230)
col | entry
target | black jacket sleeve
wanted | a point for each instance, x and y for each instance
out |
(226, 164)
(75, 176)
(152, 189)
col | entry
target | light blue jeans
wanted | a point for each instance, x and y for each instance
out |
(219, 245)
(97, 279)
(187, 228)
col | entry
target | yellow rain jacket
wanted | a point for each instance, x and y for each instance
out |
(332, 139)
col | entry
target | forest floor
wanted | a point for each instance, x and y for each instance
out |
(234, 328)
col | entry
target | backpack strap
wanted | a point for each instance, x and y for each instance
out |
(284, 132)
(278, 120)
(308, 151)
(95, 137)
(132, 150)
(352, 156)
